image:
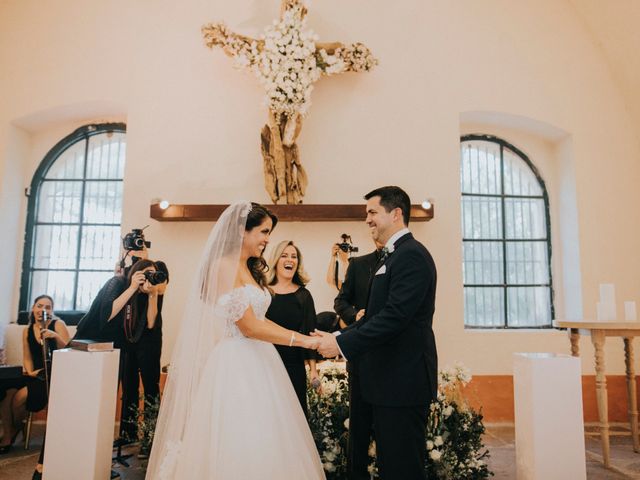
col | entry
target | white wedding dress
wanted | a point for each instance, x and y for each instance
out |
(245, 422)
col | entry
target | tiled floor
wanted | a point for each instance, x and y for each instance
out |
(18, 464)
(625, 463)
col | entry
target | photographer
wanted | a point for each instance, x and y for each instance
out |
(104, 322)
(141, 354)
(340, 257)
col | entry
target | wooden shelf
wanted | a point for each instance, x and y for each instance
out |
(285, 213)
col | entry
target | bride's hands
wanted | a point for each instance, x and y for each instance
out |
(312, 343)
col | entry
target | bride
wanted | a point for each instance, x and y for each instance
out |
(229, 410)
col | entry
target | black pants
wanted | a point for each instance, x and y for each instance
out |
(360, 431)
(140, 361)
(400, 441)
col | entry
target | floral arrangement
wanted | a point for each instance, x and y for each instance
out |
(454, 430)
(145, 419)
(286, 61)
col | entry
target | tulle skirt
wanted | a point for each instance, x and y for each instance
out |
(246, 421)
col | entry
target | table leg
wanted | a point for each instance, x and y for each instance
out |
(574, 338)
(631, 391)
(597, 338)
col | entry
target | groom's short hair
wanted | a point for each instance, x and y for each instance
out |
(392, 197)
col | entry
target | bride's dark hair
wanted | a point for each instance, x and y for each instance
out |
(258, 265)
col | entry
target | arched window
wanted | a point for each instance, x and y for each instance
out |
(72, 233)
(506, 237)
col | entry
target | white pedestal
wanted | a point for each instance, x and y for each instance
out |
(548, 413)
(81, 415)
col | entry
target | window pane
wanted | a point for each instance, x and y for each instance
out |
(56, 246)
(518, 177)
(70, 164)
(483, 307)
(481, 217)
(529, 306)
(525, 218)
(527, 263)
(99, 248)
(483, 263)
(57, 284)
(89, 283)
(106, 155)
(59, 202)
(480, 167)
(103, 202)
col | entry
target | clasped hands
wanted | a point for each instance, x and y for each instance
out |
(325, 343)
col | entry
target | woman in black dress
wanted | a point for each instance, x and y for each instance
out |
(29, 393)
(292, 307)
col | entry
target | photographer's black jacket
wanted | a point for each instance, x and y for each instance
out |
(95, 325)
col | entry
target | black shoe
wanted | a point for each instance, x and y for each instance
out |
(7, 448)
(36, 475)
(143, 454)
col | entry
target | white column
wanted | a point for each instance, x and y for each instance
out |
(548, 414)
(81, 415)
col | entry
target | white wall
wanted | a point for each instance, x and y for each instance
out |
(193, 131)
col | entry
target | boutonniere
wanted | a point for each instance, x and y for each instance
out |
(386, 251)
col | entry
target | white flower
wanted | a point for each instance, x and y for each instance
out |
(346, 424)
(435, 455)
(289, 54)
(429, 445)
(372, 449)
(447, 411)
(329, 467)
(438, 441)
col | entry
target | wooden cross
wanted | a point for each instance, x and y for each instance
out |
(287, 73)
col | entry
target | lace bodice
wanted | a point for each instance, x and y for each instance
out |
(231, 306)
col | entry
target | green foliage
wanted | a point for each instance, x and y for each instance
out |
(146, 422)
(454, 431)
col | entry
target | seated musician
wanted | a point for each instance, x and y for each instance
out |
(29, 392)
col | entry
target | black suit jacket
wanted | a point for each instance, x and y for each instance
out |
(353, 293)
(394, 345)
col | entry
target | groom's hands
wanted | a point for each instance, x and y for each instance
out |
(328, 345)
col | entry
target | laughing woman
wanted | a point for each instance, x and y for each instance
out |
(292, 307)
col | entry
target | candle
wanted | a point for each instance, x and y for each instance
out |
(630, 311)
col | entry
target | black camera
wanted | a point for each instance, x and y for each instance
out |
(347, 245)
(135, 240)
(155, 277)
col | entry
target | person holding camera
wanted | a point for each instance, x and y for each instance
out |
(142, 347)
(292, 307)
(339, 261)
(104, 322)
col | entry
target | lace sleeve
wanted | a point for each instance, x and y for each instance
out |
(232, 306)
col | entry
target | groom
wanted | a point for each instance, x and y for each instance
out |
(393, 345)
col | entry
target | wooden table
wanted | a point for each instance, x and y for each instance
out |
(598, 332)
